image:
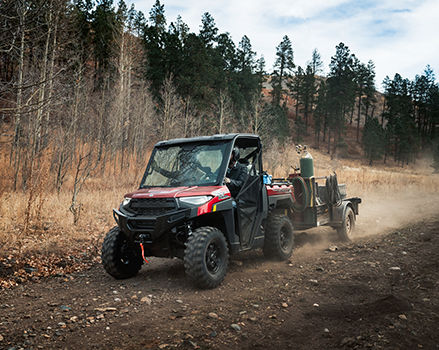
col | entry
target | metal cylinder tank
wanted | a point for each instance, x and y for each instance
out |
(306, 165)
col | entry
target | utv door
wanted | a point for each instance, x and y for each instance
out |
(250, 199)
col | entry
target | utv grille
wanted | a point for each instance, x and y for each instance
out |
(152, 206)
(147, 225)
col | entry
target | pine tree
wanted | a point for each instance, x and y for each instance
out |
(369, 90)
(316, 62)
(104, 25)
(401, 135)
(208, 30)
(321, 113)
(154, 42)
(295, 87)
(373, 139)
(340, 92)
(283, 68)
(157, 17)
(246, 78)
(309, 91)
(360, 78)
(139, 23)
(82, 18)
(260, 118)
(424, 93)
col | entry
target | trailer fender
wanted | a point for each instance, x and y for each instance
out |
(338, 213)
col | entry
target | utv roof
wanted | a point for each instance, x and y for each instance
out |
(218, 137)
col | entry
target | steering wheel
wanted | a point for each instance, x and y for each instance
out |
(208, 173)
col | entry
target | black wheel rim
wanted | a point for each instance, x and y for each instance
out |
(213, 258)
(125, 253)
(285, 238)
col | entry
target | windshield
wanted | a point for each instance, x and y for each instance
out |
(185, 165)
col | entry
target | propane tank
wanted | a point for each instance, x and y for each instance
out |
(306, 164)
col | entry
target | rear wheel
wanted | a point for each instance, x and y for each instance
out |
(206, 257)
(121, 258)
(279, 237)
(348, 225)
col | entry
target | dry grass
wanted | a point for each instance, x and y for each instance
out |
(39, 221)
(52, 228)
(360, 178)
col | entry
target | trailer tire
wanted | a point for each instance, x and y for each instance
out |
(347, 227)
(206, 257)
(121, 259)
(279, 237)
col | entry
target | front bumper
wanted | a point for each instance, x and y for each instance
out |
(152, 227)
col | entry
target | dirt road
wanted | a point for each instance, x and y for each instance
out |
(380, 292)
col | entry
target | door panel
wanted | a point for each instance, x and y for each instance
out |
(249, 200)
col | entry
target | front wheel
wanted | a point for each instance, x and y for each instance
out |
(121, 258)
(279, 237)
(206, 257)
(347, 227)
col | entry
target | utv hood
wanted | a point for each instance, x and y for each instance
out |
(177, 192)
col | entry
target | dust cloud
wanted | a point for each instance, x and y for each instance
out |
(383, 212)
(380, 212)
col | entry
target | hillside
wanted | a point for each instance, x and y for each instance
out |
(353, 148)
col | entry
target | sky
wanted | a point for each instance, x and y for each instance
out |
(399, 36)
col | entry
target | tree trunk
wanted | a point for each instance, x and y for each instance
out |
(325, 126)
(352, 111)
(221, 112)
(51, 70)
(15, 150)
(186, 116)
(329, 141)
(42, 90)
(358, 118)
(305, 114)
(121, 98)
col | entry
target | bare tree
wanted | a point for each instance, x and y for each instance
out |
(22, 8)
(143, 116)
(85, 165)
(225, 112)
(170, 111)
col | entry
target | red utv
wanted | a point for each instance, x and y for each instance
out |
(183, 209)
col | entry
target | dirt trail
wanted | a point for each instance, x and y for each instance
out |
(380, 292)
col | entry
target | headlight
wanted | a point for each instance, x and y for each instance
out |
(196, 200)
(126, 201)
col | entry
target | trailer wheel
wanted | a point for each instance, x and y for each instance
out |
(348, 225)
(279, 237)
(206, 257)
(121, 259)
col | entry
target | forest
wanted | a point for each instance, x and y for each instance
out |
(87, 87)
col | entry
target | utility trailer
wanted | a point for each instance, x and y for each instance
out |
(183, 208)
(317, 205)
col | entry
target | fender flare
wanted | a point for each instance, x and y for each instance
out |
(338, 213)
